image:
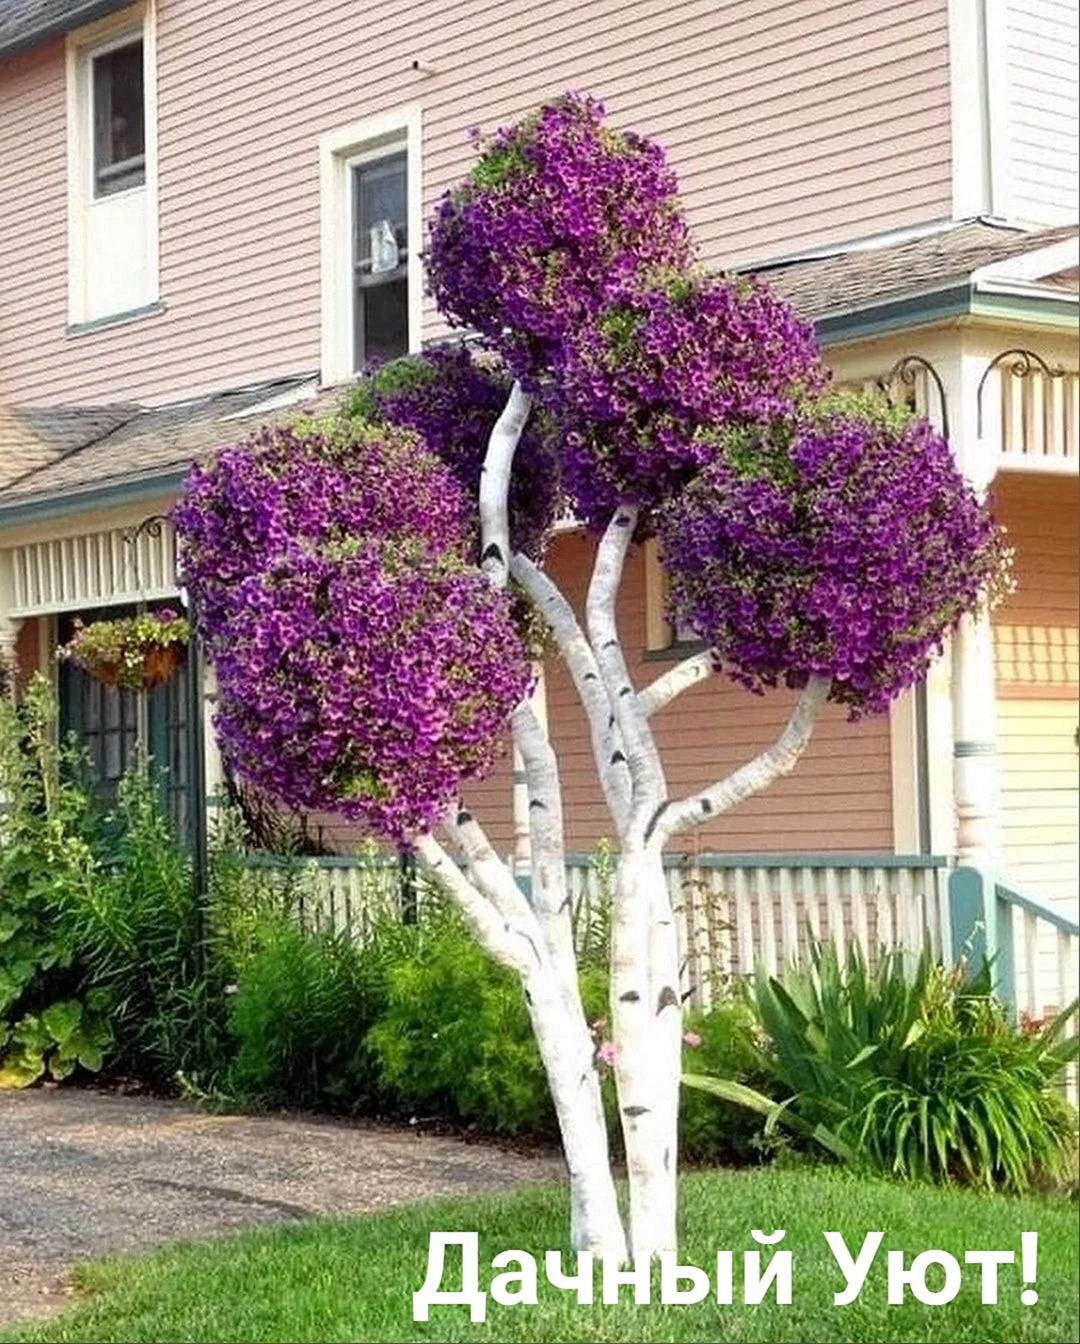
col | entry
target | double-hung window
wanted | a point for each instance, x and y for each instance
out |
(112, 170)
(370, 204)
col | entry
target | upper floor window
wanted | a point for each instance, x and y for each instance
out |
(112, 170)
(371, 281)
(119, 119)
(380, 258)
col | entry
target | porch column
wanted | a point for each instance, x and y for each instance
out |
(9, 637)
(974, 685)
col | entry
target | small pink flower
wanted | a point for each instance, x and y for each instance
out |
(692, 1039)
(608, 1053)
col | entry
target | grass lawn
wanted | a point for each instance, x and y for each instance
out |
(353, 1279)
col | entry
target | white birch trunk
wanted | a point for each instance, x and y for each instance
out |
(566, 1048)
(647, 1023)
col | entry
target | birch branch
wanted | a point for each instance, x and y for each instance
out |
(495, 486)
(774, 761)
(490, 873)
(661, 692)
(506, 944)
(585, 674)
(646, 772)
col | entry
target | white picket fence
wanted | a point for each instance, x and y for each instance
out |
(733, 911)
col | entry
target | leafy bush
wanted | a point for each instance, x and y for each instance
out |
(299, 1018)
(47, 1026)
(915, 1073)
(454, 1037)
(711, 1130)
(139, 931)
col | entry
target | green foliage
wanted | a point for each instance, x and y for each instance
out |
(299, 1018)
(912, 1072)
(141, 940)
(47, 1026)
(454, 1037)
(713, 1130)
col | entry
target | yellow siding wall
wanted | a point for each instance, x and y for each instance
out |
(1036, 645)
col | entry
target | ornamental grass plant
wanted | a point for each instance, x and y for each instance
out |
(915, 1072)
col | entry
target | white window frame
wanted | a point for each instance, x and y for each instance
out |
(136, 23)
(340, 151)
(89, 56)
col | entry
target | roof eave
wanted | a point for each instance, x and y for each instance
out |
(82, 14)
(123, 490)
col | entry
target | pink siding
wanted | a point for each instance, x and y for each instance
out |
(837, 798)
(1041, 57)
(792, 125)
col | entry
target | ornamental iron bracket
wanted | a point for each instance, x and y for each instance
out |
(1023, 363)
(906, 370)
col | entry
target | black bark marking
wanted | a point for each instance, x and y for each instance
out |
(590, 676)
(616, 757)
(631, 996)
(463, 816)
(611, 721)
(634, 1111)
(538, 804)
(654, 819)
(611, 644)
(706, 806)
(626, 690)
(621, 520)
(492, 552)
(566, 905)
(667, 999)
(667, 1159)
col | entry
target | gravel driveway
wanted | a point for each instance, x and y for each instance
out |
(85, 1174)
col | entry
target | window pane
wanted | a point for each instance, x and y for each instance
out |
(380, 195)
(380, 259)
(383, 314)
(119, 120)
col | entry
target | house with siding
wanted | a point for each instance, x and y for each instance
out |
(187, 197)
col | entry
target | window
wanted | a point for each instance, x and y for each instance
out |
(380, 259)
(112, 170)
(660, 638)
(119, 119)
(371, 282)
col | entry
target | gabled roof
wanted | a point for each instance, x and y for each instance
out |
(26, 23)
(824, 286)
(65, 451)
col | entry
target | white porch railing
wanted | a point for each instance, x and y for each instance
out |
(733, 910)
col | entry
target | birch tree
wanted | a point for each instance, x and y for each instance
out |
(369, 586)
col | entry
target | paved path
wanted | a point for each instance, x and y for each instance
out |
(85, 1174)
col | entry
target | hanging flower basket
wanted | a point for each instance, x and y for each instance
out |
(134, 652)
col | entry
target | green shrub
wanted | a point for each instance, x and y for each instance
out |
(712, 1130)
(140, 936)
(454, 1038)
(912, 1071)
(48, 1025)
(299, 1018)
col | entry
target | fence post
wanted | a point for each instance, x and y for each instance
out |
(980, 922)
